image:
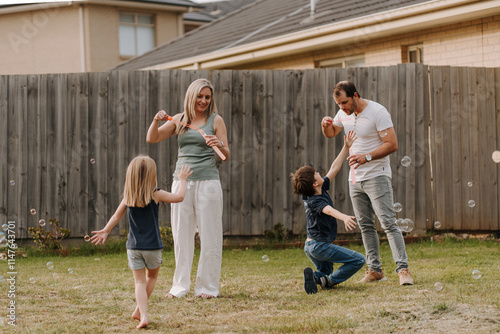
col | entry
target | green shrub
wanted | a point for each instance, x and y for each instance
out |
(166, 236)
(278, 234)
(51, 238)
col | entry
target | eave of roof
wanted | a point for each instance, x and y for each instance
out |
(406, 19)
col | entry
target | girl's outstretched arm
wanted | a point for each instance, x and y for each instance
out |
(165, 196)
(101, 235)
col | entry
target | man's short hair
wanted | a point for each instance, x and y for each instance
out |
(347, 86)
(303, 181)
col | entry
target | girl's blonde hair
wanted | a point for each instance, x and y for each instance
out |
(140, 182)
(192, 93)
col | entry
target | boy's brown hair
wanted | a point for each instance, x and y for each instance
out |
(303, 180)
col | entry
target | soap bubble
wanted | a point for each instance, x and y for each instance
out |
(86, 238)
(1, 279)
(3, 242)
(496, 156)
(469, 184)
(406, 161)
(92, 161)
(438, 286)
(33, 212)
(398, 207)
(70, 270)
(41, 222)
(3, 256)
(56, 275)
(50, 265)
(471, 203)
(12, 182)
(5, 227)
(410, 225)
(265, 258)
(437, 224)
(32, 280)
(476, 274)
(402, 224)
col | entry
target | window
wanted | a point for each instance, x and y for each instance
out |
(355, 61)
(415, 54)
(137, 34)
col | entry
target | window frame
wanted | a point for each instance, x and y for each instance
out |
(136, 24)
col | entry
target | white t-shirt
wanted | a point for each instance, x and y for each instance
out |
(371, 120)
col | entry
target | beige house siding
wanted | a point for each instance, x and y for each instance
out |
(471, 43)
(60, 39)
(29, 43)
(103, 43)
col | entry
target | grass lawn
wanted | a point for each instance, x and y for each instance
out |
(263, 297)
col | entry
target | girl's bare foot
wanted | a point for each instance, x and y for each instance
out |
(204, 295)
(143, 323)
(170, 296)
(137, 314)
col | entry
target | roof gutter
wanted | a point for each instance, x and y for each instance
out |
(34, 7)
(422, 16)
(127, 4)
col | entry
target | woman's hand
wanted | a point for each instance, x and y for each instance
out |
(213, 141)
(161, 116)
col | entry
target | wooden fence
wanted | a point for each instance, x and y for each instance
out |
(66, 140)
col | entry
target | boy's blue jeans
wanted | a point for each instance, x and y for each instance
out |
(324, 254)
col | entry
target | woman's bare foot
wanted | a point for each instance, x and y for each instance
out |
(170, 296)
(204, 295)
(137, 314)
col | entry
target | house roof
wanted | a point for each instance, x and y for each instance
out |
(215, 10)
(269, 22)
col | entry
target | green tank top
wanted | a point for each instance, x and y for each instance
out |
(194, 152)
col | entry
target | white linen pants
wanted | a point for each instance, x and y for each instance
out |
(202, 208)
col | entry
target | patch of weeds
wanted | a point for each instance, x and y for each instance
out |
(441, 308)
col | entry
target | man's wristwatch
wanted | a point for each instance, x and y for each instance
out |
(221, 144)
(368, 158)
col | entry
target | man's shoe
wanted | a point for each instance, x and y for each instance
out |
(372, 276)
(309, 282)
(405, 277)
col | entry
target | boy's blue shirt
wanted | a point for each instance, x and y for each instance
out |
(320, 227)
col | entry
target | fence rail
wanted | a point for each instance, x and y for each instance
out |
(66, 140)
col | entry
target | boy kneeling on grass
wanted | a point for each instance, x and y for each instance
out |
(322, 226)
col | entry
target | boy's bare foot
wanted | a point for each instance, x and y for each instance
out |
(170, 296)
(204, 295)
(137, 314)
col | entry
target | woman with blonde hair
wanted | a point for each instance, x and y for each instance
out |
(202, 207)
(144, 246)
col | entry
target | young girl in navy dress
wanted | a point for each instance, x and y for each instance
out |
(144, 246)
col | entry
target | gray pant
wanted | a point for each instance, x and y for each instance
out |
(372, 197)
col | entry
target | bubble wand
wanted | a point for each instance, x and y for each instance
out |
(353, 173)
(216, 149)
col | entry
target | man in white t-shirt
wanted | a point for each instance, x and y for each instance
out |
(370, 184)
